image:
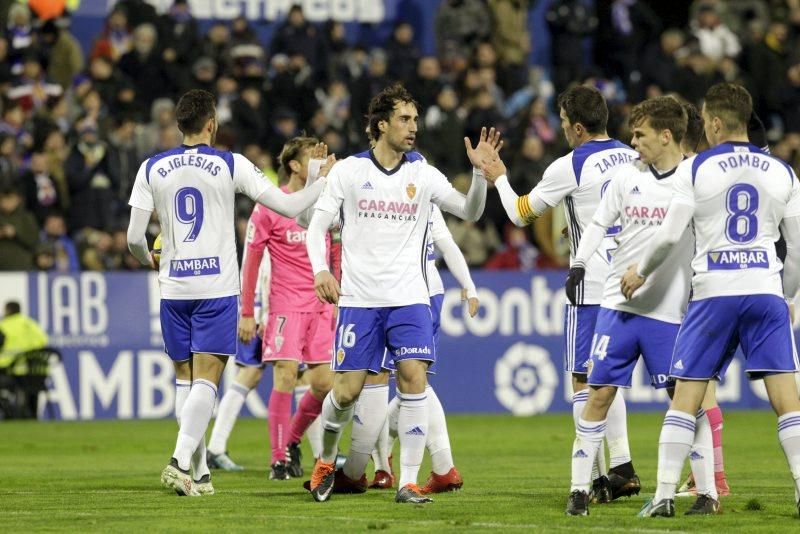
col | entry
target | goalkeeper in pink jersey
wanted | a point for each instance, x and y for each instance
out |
(299, 328)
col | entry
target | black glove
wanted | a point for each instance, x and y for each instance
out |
(574, 278)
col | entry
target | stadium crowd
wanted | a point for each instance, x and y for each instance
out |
(76, 124)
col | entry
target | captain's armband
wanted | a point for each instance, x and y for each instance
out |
(524, 211)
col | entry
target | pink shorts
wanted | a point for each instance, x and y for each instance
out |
(300, 336)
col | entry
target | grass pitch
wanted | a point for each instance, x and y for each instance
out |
(104, 476)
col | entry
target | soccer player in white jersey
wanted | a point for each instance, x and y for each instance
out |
(637, 197)
(736, 197)
(578, 179)
(192, 188)
(444, 475)
(384, 197)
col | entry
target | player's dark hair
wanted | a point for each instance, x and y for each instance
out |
(731, 103)
(585, 105)
(662, 113)
(193, 111)
(292, 149)
(13, 307)
(383, 104)
(695, 135)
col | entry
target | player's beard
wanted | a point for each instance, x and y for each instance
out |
(401, 146)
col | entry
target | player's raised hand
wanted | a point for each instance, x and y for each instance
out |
(328, 165)
(492, 167)
(489, 143)
(247, 329)
(472, 302)
(327, 288)
(319, 151)
(631, 281)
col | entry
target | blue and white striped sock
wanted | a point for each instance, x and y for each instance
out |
(677, 436)
(588, 438)
(701, 457)
(789, 436)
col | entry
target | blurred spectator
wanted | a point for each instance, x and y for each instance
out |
(460, 25)
(337, 48)
(484, 113)
(57, 243)
(625, 28)
(227, 93)
(19, 233)
(427, 83)
(9, 160)
(64, 57)
(517, 254)
(92, 193)
(5, 65)
(767, 63)
(790, 100)
(162, 114)
(529, 164)
(441, 136)
(143, 65)
(96, 249)
(47, 10)
(42, 191)
(179, 35)
(570, 23)
(122, 158)
(31, 90)
(660, 65)
(715, 38)
(116, 39)
(138, 12)
(535, 121)
(19, 35)
(21, 334)
(242, 33)
(216, 45)
(13, 124)
(549, 232)
(403, 53)
(477, 240)
(511, 40)
(105, 79)
(249, 116)
(297, 37)
(335, 104)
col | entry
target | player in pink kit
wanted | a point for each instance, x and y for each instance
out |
(299, 328)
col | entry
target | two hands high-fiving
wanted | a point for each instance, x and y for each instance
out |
(486, 154)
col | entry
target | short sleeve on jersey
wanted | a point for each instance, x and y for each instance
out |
(683, 188)
(793, 206)
(558, 181)
(330, 201)
(248, 179)
(142, 194)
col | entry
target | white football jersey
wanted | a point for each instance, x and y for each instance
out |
(192, 188)
(384, 216)
(437, 229)
(740, 196)
(638, 198)
(579, 179)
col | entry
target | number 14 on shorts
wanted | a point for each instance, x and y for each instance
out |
(600, 346)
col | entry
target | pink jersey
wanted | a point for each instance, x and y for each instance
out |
(291, 280)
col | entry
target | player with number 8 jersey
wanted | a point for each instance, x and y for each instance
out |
(192, 188)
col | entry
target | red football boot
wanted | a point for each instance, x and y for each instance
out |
(441, 483)
(343, 484)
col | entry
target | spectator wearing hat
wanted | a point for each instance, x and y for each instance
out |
(19, 35)
(19, 233)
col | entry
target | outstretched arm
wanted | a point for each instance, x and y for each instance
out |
(291, 204)
(470, 206)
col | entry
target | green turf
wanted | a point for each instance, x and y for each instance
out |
(104, 476)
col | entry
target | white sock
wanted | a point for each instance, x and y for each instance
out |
(195, 415)
(333, 419)
(182, 388)
(677, 436)
(438, 443)
(200, 459)
(227, 413)
(412, 428)
(299, 391)
(369, 415)
(380, 456)
(314, 435)
(701, 457)
(789, 436)
(578, 404)
(391, 417)
(588, 439)
(617, 432)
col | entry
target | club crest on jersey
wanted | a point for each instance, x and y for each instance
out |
(278, 343)
(339, 356)
(411, 191)
(730, 260)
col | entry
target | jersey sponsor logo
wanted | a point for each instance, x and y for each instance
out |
(390, 210)
(404, 351)
(295, 237)
(188, 160)
(411, 191)
(744, 159)
(611, 161)
(194, 267)
(729, 260)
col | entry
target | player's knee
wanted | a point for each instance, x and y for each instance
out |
(344, 396)
(321, 384)
(284, 375)
(600, 400)
(249, 376)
